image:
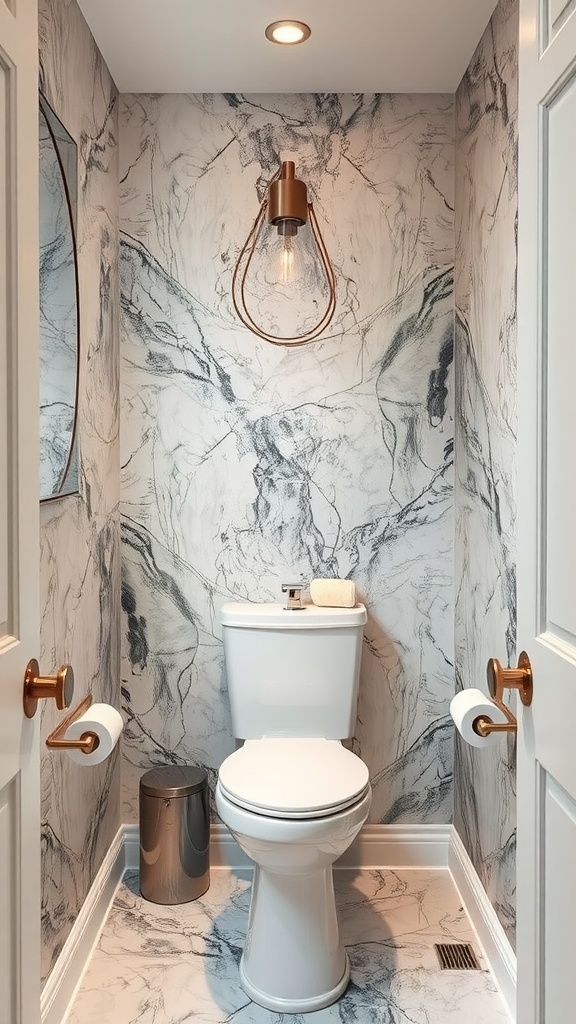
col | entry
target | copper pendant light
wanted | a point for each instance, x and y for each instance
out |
(286, 209)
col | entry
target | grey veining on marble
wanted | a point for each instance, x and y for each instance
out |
(175, 965)
(244, 464)
(80, 565)
(485, 364)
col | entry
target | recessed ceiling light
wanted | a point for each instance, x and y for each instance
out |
(287, 32)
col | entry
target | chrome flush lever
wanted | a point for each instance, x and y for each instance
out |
(293, 593)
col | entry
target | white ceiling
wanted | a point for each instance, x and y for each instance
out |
(219, 45)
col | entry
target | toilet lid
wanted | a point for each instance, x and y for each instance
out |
(293, 778)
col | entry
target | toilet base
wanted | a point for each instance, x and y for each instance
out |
(295, 1005)
(294, 957)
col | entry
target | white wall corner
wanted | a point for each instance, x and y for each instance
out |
(491, 935)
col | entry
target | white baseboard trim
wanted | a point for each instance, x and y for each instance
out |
(398, 846)
(67, 973)
(376, 846)
(491, 935)
(224, 850)
(131, 847)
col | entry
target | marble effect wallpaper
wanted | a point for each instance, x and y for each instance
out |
(485, 365)
(244, 465)
(80, 567)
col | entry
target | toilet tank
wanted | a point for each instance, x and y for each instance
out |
(292, 673)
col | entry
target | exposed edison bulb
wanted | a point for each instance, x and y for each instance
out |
(288, 232)
(287, 261)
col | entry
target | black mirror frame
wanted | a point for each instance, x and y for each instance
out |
(52, 121)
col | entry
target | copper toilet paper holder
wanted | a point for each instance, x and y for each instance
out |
(60, 688)
(500, 679)
(87, 742)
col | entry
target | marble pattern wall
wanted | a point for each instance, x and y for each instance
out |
(485, 366)
(244, 464)
(80, 582)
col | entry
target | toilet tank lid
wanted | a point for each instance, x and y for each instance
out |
(274, 616)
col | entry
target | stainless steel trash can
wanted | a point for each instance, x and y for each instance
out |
(174, 834)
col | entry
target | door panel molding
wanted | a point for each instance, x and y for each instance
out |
(553, 16)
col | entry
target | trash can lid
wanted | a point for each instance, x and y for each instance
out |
(173, 780)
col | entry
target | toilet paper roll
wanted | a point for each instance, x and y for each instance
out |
(329, 593)
(466, 707)
(106, 722)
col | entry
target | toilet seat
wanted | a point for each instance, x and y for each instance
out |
(284, 777)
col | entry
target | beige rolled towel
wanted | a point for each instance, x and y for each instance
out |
(333, 593)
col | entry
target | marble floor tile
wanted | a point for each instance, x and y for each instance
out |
(177, 965)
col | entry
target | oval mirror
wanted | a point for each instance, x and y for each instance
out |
(59, 320)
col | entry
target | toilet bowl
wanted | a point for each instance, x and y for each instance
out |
(294, 806)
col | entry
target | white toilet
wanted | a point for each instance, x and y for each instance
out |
(293, 796)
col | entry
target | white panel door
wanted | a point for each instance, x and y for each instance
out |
(19, 555)
(546, 893)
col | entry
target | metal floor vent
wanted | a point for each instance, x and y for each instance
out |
(456, 956)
